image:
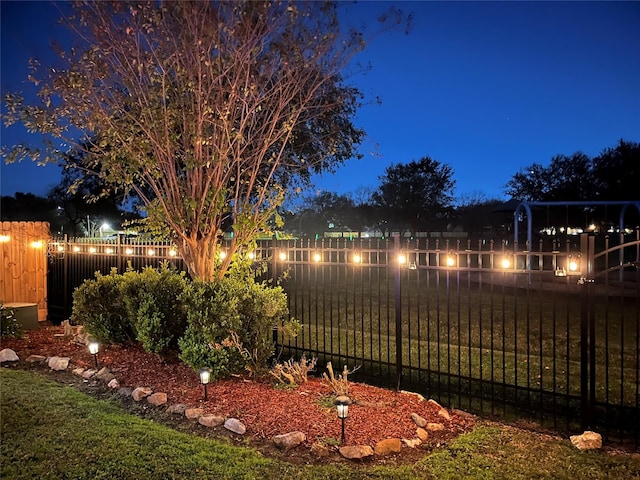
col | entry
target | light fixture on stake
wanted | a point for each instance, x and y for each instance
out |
(93, 350)
(205, 378)
(342, 403)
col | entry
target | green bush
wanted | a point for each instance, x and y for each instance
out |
(9, 326)
(152, 300)
(99, 306)
(236, 315)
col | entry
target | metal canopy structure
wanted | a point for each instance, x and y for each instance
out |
(526, 206)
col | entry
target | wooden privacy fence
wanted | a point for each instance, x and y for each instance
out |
(23, 247)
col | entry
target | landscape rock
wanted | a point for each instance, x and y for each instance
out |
(289, 440)
(417, 395)
(444, 414)
(320, 450)
(8, 355)
(388, 446)
(58, 363)
(192, 413)
(140, 393)
(87, 374)
(413, 443)
(236, 426)
(418, 420)
(36, 359)
(78, 371)
(211, 421)
(157, 399)
(434, 427)
(178, 408)
(587, 441)
(125, 391)
(422, 434)
(113, 384)
(356, 452)
(105, 375)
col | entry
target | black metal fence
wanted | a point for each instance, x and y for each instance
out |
(550, 337)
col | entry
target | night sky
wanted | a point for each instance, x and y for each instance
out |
(486, 87)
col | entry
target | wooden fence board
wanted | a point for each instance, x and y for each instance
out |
(23, 250)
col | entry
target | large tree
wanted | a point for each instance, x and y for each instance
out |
(208, 111)
(417, 195)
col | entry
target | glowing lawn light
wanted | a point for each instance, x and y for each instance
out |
(205, 378)
(94, 347)
(342, 406)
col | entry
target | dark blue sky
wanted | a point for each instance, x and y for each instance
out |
(486, 87)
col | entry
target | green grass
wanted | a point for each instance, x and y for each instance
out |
(52, 431)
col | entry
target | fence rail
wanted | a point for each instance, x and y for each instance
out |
(549, 336)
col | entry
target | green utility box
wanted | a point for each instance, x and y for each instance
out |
(25, 313)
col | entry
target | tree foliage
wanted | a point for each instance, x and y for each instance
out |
(417, 195)
(208, 111)
(612, 175)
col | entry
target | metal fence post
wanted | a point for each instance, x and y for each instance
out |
(398, 309)
(587, 333)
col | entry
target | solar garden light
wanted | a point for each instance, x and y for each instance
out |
(93, 350)
(342, 405)
(205, 378)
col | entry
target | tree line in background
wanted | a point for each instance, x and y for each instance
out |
(416, 197)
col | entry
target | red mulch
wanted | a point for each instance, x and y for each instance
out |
(266, 411)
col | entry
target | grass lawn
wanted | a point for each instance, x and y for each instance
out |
(53, 431)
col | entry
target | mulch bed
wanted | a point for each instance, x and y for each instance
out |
(266, 410)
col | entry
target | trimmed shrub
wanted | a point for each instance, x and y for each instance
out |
(153, 305)
(99, 306)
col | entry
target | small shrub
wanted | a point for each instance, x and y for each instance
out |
(153, 305)
(292, 372)
(339, 386)
(9, 326)
(99, 306)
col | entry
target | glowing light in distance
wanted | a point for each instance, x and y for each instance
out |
(251, 255)
(109, 251)
(92, 249)
(573, 266)
(316, 257)
(357, 258)
(76, 249)
(506, 263)
(151, 252)
(450, 261)
(283, 256)
(36, 244)
(60, 248)
(172, 253)
(4, 238)
(402, 259)
(129, 251)
(222, 254)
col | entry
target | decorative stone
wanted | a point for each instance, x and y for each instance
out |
(356, 452)
(236, 426)
(320, 450)
(88, 374)
(8, 355)
(417, 395)
(388, 446)
(413, 443)
(192, 413)
(157, 399)
(105, 375)
(289, 440)
(125, 391)
(36, 359)
(444, 414)
(211, 421)
(58, 363)
(422, 434)
(418, 420)
(113, 384)
(434, 427)
(587, 441)
(78, 371)
(178, 408)
(140, 393)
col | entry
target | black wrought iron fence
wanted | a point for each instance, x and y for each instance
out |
(550, 337)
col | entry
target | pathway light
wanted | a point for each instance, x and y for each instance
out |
(342, 403)
(205, 378)
(94, 347)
